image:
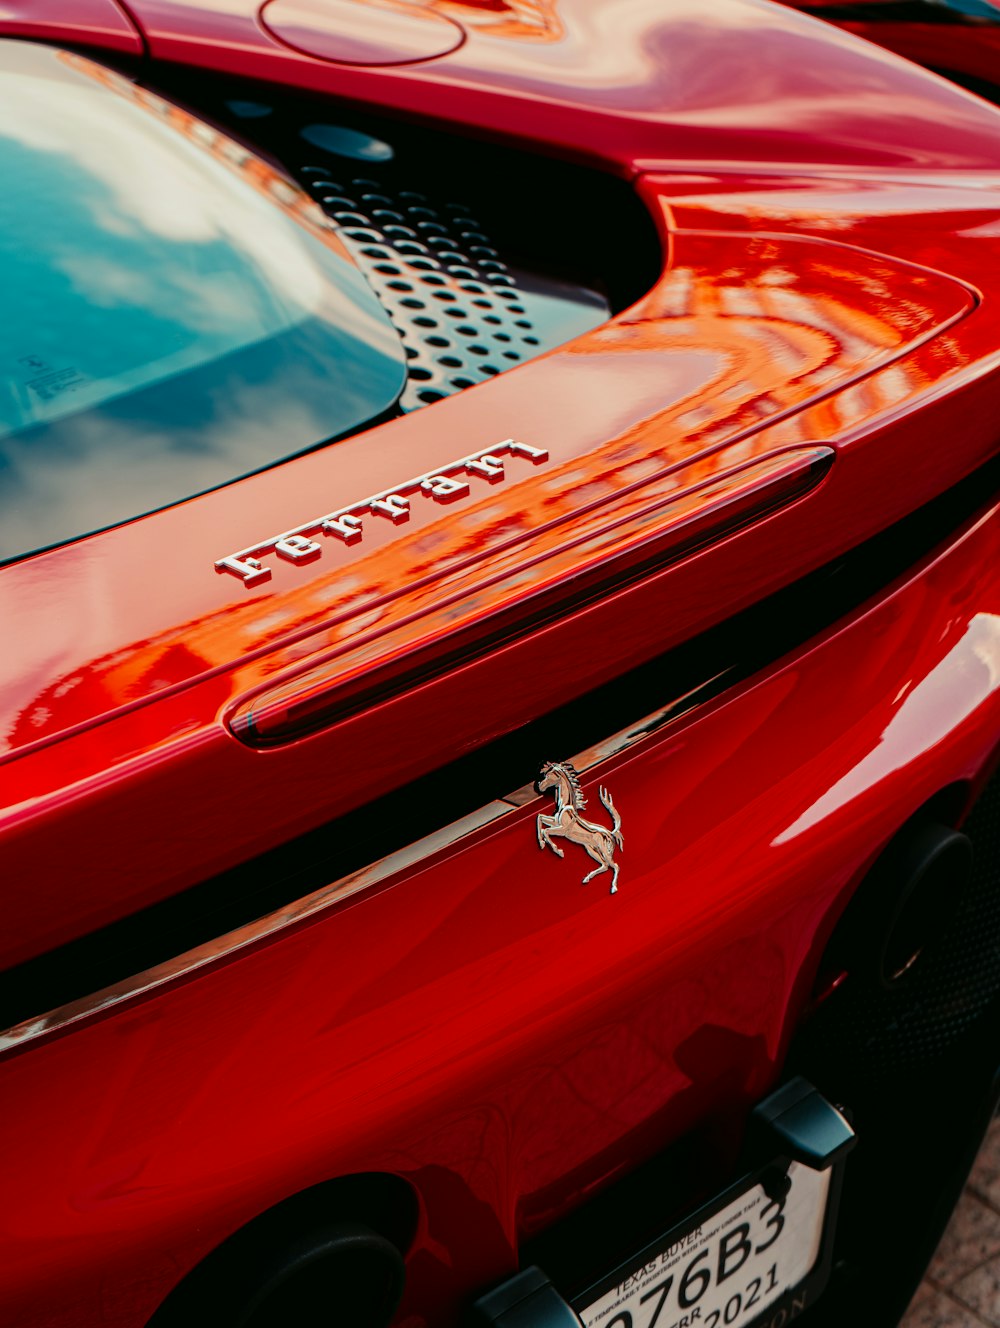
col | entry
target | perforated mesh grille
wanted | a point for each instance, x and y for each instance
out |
(462, 314)
(954, 982)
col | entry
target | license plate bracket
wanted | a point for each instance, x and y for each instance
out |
(796, 1146)
(756, 1255)
(726, 1266)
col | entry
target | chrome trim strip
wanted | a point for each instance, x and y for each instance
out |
(621, 741)
(241, 937)
(309, 905)
(625, 738)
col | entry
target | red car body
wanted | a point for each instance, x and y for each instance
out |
(816, 362)
(960, 41)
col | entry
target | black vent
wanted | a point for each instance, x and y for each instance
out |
(916, 1066)
(483, 256)
(885, 1032)
(461, 313)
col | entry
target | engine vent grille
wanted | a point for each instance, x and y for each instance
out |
(461, 313)
(483, 255)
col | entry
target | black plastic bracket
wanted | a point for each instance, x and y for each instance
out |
(527, 1300)
(797, 1122)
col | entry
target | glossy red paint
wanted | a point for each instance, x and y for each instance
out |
(949, 41)
(458, 1024)
(650, 98)
(101, 23)
(480, 1024)
(348, 33)
(815, 319)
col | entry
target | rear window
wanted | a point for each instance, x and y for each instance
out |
(176, 315)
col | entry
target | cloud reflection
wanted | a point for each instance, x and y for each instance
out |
(140, 249)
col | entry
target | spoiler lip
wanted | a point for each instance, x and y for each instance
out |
(649, 535)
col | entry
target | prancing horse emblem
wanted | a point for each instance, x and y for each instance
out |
(567, 823)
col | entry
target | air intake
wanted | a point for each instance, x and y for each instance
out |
(462, 314)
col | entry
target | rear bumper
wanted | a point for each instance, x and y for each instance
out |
(468, 1016)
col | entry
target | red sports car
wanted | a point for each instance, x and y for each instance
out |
(501, 676)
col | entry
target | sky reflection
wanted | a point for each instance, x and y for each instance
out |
(133, 257)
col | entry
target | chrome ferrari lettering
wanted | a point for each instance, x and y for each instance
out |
(445, 488)
(393, 506)
(524, 449)
(347, 524)
(489, 466)
(596, 840)
(251, 571)
(297, 549)
(348, 527)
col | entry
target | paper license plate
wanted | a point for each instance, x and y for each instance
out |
(729, 1269)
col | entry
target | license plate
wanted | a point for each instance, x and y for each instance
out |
(727, 1270)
